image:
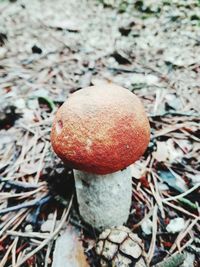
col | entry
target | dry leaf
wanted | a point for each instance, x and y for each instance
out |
(69, 250)
(166, 151)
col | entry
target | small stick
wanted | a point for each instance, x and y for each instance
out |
(40, 163)
(183, 234)
(50, 243)
(14, 251)
(19, 195)
(31, 234)
(154, 232)
(157, 196)
(11, 221)
(4, 260)
(184, 246)
(17, 223)
(28, 204)
(20, 185)
(169, 113)
(181, 209)
(172, 128)
(183, 194)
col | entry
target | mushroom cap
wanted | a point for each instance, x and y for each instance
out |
(100, 129)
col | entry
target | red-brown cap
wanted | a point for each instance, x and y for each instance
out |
(100, 129)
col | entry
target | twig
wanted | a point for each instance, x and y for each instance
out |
(11, 221)
(14, 251)
(169, 113)
(184, 246)
(28, 204)
(157, 195)
(50, 243)
(31, 234)
(40, 163)
(181, 209)
(20, 195)
(183, 234)
(172, 128)
(4, 260)
(17, 223)
(154, 233)
(182, 194)
(19, 185)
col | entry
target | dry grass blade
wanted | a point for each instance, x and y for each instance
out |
(17, 223)
(4, 260)
(183, 194)
(173, 128)
(27, 204)
(12, 221)
(41, 162)
(156, 195)
(154, 234)
(180, 209)
(31, 234)
(183, 234)
(14, 251)
(51, 243)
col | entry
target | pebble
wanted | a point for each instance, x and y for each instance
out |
(176, 225)
(28, 228)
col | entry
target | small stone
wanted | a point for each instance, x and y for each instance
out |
(28, 228)
(176, 225)
(50, 216)
(36, 49)
(147, 226)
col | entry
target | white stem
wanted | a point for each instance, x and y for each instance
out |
(104, 200)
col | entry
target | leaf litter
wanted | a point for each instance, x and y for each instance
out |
(49, 50)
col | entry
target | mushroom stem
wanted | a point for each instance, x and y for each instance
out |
(104, 200)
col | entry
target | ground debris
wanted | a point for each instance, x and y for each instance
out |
(47, 52)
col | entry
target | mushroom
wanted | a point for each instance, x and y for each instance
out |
(99, 131)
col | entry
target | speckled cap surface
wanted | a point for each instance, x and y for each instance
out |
(100, 129)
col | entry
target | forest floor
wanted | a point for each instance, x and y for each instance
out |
(48, 50)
